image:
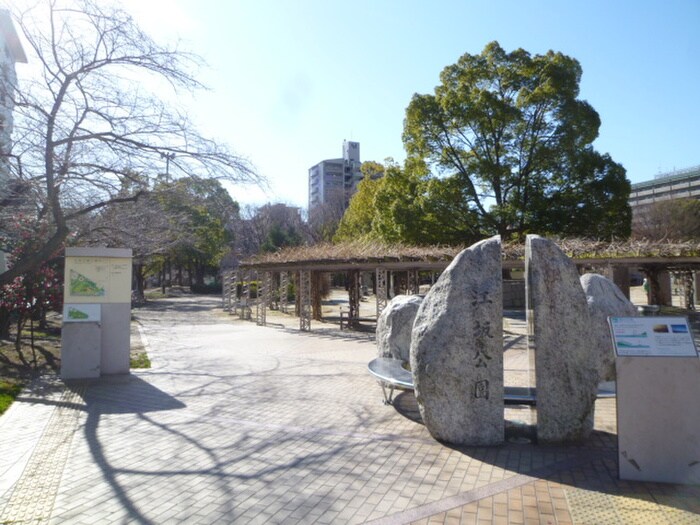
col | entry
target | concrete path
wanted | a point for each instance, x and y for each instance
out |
(237, 423)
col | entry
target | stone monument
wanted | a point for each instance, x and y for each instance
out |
(559, 326)
(394, 327)
(604, 299)
(457, 350)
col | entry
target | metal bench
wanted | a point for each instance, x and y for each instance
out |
(346, 321)
(390, 372)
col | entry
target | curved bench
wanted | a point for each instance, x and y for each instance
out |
(391, 372)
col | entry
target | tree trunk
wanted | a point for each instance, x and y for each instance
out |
(5, 320)
(18, 336)
(199, 274)
(139, 281)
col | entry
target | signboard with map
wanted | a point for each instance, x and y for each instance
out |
(98, 280)
(82, 313)
(652, 337)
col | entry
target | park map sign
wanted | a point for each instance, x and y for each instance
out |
(98, 280)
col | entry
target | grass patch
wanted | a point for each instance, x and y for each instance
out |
(140, 360)
(8, 392)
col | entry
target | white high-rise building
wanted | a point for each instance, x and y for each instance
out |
(11, 52)
(333, 181)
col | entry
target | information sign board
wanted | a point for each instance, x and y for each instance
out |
(98, 280)
(652, 337)
(82, 313)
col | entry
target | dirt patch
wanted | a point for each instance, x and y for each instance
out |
(38, 354)
(42, 354)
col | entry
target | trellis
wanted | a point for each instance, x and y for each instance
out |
(654, 260)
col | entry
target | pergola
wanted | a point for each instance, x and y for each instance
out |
(273, 272)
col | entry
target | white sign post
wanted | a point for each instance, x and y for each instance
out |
(658, 399)
(96, 312)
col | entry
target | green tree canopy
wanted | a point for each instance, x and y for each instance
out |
(407, 205)
(202, 211)
(358, 218)
(508, 146)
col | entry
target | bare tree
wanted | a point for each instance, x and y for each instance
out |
(256, 227)
(145, 226)
(324, 218)
(91, 120)
(668, 220)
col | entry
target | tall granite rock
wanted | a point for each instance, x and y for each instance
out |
(604, 299)
(560, 329)
(394, 327)
(457, 350)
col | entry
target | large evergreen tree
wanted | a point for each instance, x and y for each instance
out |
(509, 146)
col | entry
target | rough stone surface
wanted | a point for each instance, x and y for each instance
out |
(457, 350)
(394, 327)
(604, 299)
(560, 331)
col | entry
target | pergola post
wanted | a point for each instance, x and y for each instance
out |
(354, 297)
(284, 286)
(264, 286)
(316, 302)
(305, 301)
(244, 304)
(412, 282)
(233, 296)
(382, 292)
(659, 285)
(685, 279)
(620, 275)
(225, 291)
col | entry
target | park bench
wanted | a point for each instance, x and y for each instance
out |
(390, 372)
(345, 318)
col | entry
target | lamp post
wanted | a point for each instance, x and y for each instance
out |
(168, 157)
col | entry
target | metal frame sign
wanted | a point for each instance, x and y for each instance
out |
(652, 337)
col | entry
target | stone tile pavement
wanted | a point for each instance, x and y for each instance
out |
(237, 423)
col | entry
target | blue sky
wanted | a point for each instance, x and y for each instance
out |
(290, 80)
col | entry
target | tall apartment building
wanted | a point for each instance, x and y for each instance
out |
(11, 52)
(333, 181)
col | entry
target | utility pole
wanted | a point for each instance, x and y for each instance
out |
(168, 157)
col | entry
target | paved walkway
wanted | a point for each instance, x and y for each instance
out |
(239, 423)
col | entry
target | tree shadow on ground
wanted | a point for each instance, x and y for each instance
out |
(591, 466)
(264, 454)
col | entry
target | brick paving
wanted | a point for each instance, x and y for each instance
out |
(237, 423)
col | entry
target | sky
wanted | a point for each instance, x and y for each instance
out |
(291, 79)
